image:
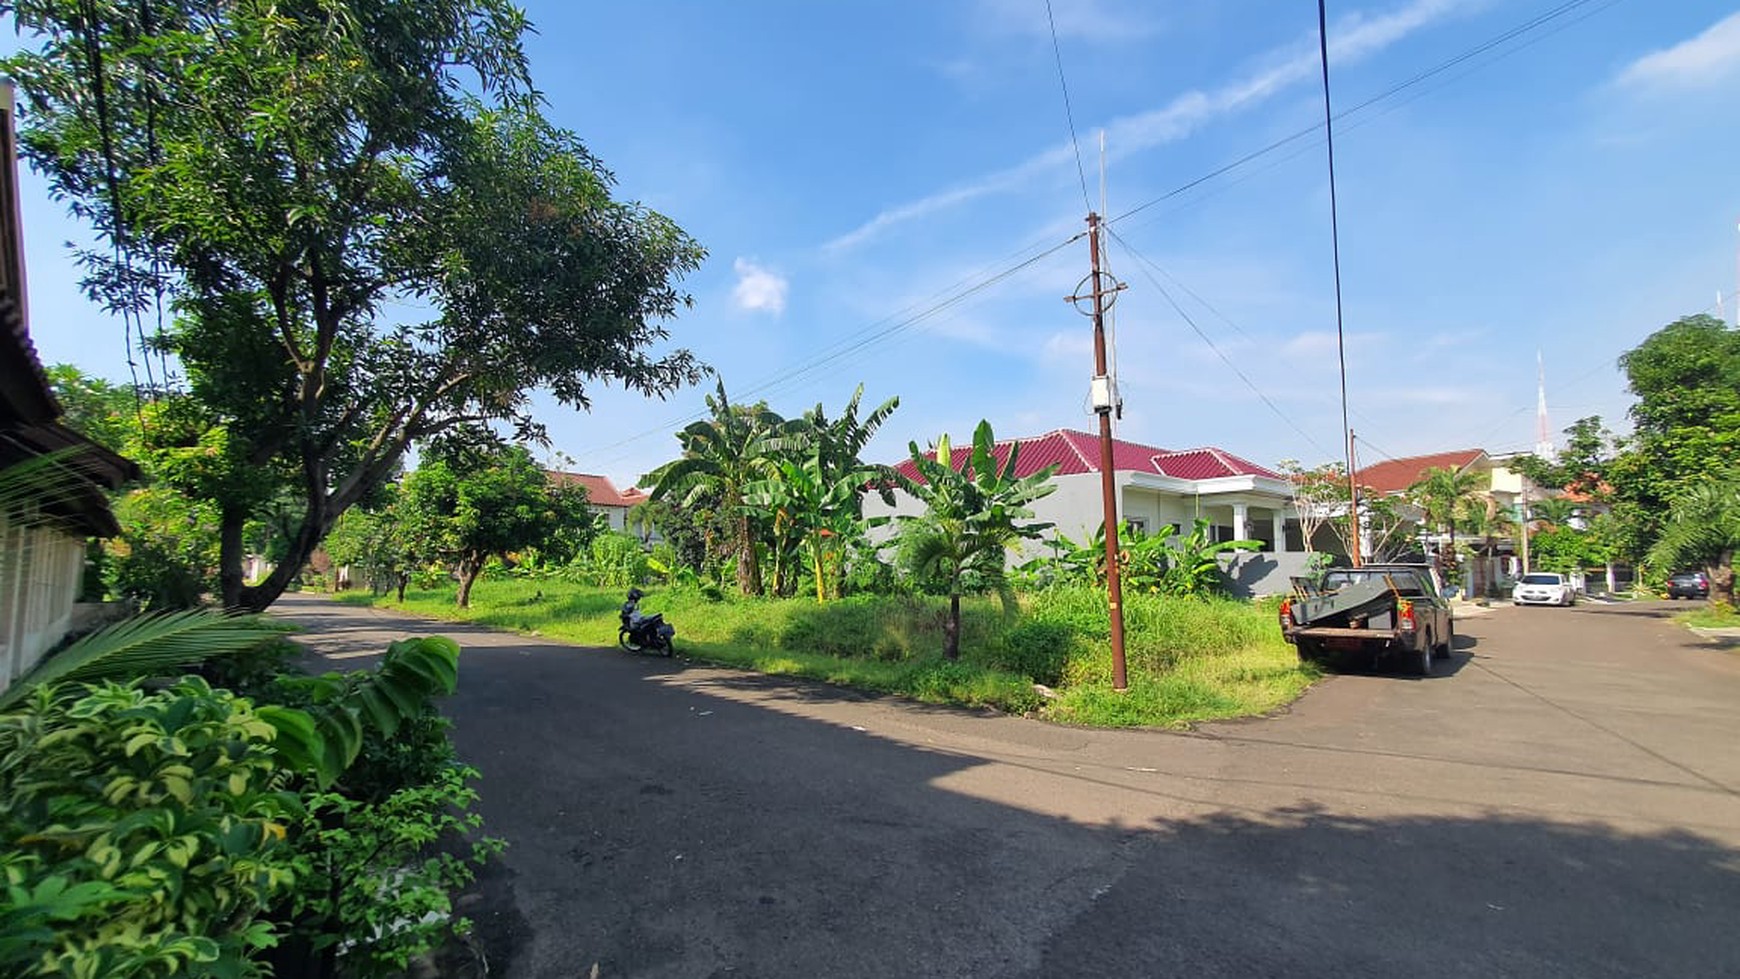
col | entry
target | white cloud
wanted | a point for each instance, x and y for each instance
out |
(1089, 20)
(1703, 60)
(758, 289)
(1353, 39)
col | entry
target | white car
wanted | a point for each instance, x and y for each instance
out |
(1543, 588)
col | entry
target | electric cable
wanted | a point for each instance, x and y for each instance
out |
(848, 348)
(1524, 28)
(1068, 112)
(1143, 265)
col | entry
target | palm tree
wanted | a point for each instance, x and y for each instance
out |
(1440, 491)
(1555, 511)
(972, 516)
(723, 454)
(1483, 517)
(1703, 528)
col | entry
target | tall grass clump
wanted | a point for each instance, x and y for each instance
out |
(1190, 659)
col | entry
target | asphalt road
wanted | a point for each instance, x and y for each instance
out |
(1559, 800)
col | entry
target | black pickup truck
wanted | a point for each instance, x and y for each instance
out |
(1385, 611)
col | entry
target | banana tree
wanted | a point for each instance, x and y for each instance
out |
(738, 445)
(819, 508)
(973, 515)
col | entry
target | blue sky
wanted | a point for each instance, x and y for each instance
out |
(850, 165)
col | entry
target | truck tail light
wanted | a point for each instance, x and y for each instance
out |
(1405, 616)
(1286, 613)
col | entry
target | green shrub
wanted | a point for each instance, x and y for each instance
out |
(145, 833)
(617, 561)
(1037, 649)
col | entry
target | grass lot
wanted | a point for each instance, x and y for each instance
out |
(1708, 616)
(1188, 660)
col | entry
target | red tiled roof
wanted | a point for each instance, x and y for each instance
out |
(1396, 475)
(1076, 452)
(600, 491)
(1208, 462)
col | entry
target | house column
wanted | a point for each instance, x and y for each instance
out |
(1278, 526)
(1240, 513)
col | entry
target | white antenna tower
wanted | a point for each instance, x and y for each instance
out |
(1543, 430)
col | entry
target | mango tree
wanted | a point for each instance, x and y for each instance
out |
(278, 173)
(466, 505)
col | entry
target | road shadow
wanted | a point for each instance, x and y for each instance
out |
(660, 828)
(1339, 895)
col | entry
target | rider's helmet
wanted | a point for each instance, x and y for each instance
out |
(635, 594)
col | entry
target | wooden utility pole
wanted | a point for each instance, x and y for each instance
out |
(1104, 402)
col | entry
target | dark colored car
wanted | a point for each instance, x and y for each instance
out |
(1689, 584)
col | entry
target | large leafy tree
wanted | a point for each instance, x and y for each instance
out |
(1686, 422)
(468, 504)
(975, 510)
(277, 173)
(1702, 529)
(722, 456)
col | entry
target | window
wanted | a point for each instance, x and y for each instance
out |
(1138, 525)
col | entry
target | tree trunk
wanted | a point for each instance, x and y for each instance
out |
(230, 578)
(256, 598)
(821, 595)
(469, 569)
(952, 629)
(748, 560)
(1722, 580)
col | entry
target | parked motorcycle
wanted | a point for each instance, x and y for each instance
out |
(644, 633)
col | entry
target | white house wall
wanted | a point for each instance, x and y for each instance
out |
(40, 569)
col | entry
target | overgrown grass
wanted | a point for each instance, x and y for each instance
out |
(1710, 616)
(1189, 660)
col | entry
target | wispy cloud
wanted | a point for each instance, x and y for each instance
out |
(758, 289)
(1706, 59)
(1088, 20)
(1355, 38)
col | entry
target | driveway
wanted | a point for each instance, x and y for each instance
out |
(1560, 800)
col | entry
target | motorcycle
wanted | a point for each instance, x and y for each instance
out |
(644, 633)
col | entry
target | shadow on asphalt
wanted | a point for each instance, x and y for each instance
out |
(658, 829)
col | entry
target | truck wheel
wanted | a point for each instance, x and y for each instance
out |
(1422, 660)
(1442, 650)
(1309, 651)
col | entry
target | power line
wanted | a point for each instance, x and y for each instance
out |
(1068, 112)
(848, 348)
(1144, 265)
(1527, 26)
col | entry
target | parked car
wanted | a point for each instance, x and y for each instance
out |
(1689, 584)
(1543, 588)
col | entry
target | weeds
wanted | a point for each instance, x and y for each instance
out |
(1189, 659)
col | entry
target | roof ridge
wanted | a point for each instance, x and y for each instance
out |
(1092, 465)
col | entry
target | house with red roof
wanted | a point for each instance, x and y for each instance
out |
(1155, 487)
(602, 495)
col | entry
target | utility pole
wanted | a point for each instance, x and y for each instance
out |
(1104, 401)
(1352, 502)
(1525, 524)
